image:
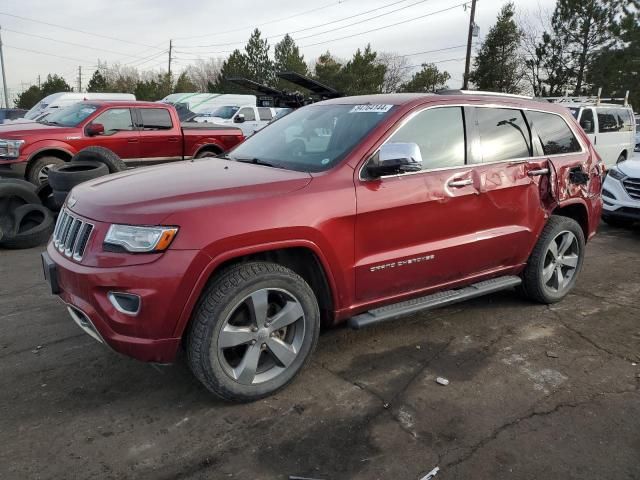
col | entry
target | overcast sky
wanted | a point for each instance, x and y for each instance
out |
(138, 31)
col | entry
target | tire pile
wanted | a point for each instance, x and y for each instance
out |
(27, 212)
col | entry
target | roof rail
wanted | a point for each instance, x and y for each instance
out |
(481, 92)
(591, 100)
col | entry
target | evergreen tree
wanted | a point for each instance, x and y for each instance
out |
(498, 66)
(429, 79)
(363, 74)
(234, 66)
(327, 70)
(260, 67)
(555, 63)
(97, 83)
(29, 97)
(287, 58)
(184, 84)
(54, 84)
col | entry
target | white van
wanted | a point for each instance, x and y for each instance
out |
(55, 101)
(610, 127)
(207, 102)
(247, 118)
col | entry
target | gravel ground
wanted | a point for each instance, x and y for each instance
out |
(535, 392)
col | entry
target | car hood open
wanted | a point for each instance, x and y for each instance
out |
(148, 195)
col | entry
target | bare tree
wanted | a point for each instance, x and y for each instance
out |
(204, 72)
(396, 71)
(533, 24)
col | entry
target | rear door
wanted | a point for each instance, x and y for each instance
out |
(160, 139)
(120, 134)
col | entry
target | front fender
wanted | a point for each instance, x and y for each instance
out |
(33, 149)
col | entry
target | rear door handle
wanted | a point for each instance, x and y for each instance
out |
(536, 173)
(460, 183)
(132, 140)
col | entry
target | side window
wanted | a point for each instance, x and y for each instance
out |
(628, 120)
(265, 114)
(610, 120)
(155, 119)
(115, 120)
(555, 135)
(586, 120)
(439, 133)
(249, 114)
(504, 134)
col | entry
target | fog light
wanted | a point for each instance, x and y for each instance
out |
(127, 303)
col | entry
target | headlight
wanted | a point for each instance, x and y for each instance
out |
(140, 239)
(616, 174)
(10, 148)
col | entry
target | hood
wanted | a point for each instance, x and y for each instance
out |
(148, 195)
(631, 167)
(20, 130)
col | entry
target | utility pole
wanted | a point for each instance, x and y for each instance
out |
(465, 83)
(4, 77)
(38, 81)
(79, 78)
(170, 47)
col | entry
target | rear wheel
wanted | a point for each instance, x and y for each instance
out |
(207, 153)
(253, 331)
(555, 262)
(38, 171)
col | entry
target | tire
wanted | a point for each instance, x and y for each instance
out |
(59, 198)
(207, 153)
(103, 155)
(38, 171)
(19, 181)
(13, 195)
(32, 226)
(617, 222)
(535, 284)
(63, 178)
(225, 303)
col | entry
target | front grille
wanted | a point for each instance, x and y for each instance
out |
(71, 235)
(632, 186)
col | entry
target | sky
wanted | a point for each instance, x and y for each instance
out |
(137, 32)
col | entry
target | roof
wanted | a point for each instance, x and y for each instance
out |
(126, 103)
(380, 99)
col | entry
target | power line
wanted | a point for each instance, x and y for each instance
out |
(438, 61)
(74, 29)
(277, 20)
(431, 51)
(49, 54)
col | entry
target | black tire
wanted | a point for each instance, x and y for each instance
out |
(225, 296)
(103, 155)
(617, 222)
(207, 153)
(533, 284)
(63, 178)
(13, 195)
(19, 181)
(32, 226)
(59, 198)
(38, 170)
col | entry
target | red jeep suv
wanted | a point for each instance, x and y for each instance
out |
(360, 209)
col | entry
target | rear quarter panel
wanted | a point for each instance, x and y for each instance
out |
(196, 139)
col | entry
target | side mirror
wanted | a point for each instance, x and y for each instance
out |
(395, 158)
(238, 118)
(587, 126)
(94, 129)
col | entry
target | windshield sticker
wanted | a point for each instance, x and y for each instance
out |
(370, 108)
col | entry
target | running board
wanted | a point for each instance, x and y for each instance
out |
(440, 299)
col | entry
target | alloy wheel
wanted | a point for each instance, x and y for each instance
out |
(561, 262)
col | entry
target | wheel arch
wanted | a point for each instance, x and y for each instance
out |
(209, 147)
(303, 257)
(576, 211)
(57, 152)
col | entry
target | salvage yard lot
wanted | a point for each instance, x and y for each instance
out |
(535, 392)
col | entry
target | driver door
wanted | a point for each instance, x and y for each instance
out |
(120, 135)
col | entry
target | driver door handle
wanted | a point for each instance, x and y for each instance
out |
(460, 183)
(536, 173)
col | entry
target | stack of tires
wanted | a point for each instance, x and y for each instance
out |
(27, 212)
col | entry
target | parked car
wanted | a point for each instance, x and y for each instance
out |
(138, 132)
(56, 101)
(248, 118)
(8, 114)
(610, 128)
(206, 102)
(621, 194)
(415, 201)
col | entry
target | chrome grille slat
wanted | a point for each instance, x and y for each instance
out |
(71, 235)
(632, 187)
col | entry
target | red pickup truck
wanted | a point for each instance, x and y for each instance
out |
(136, 131)
(357, 210)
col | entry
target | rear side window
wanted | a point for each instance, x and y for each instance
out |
(504, 134)
(555, 135)
(586, 120)
(249, 114)
(612, 120)
(265, 114)
(439, 132)
(155, 119)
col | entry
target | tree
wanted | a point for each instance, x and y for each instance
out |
(363, 74)
(54, 84)
(327, 70)
(234, 66)
(287, 58)
(395, 73)
(498, 65)
(29, 97)
(184, 84)
(97, 83)
(584, 26)
(259, 65)
(203, 72)
(429, 79)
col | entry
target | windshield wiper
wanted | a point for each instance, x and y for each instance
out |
(255, 161)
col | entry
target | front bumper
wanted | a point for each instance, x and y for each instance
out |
(617, 202)
(162, 285)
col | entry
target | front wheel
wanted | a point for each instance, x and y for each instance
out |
(38, 171)
(254, 329)
(555, 262)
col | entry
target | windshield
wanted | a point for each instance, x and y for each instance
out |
(35, 110)
(313, 138)
(71, 116)
(224, 112)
